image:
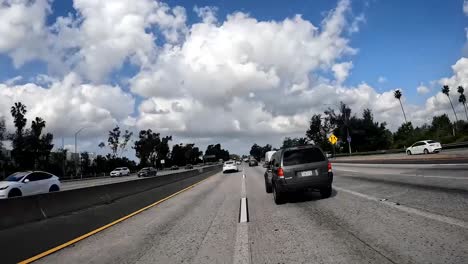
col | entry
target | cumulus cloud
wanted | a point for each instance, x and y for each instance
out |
(94, 46)
(236, 80)
(354, 28)
(99, 38)
(341, 71)
(23, 29)
(217, 63)
(422, 89)
(69, 104)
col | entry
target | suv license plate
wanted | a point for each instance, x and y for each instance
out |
(308, 173)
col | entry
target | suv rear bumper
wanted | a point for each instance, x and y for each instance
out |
(317, 182)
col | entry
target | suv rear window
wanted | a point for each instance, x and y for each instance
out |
(302, 156)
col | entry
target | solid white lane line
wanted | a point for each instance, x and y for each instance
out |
(402, 175)
(399, 166)
(243, 211)
(433, 216)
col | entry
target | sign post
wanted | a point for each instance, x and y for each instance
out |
(333, 139)
(349, 143)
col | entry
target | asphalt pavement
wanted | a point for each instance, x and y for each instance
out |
(375, 215)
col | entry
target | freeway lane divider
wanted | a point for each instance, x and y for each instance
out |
(23, 241)
(242, 250)
(71, 242)
(22, 210)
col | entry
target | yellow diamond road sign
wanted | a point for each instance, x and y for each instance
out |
(333, 139)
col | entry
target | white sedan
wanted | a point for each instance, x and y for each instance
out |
(230, 166)
(424, 147)
(123, 171)
(28, 183)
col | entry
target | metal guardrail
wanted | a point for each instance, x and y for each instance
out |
(393, 151)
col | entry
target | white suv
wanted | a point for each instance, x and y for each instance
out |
(122, 171)
(28, 183)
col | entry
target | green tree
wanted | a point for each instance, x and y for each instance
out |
(2, 133)
(446, 90)
(217, 151)
(462, 99)
(18, 112)
(318, 130)
(368, 134)
(294, 142)
(397, 94)
(441, 126)
(85, 163)
(113, 140)
(126, 138)
(163, 150)
(256, 151)
(404, 135)
(146, 147)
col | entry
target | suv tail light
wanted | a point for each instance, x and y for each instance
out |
(280, 173)
(329, 167)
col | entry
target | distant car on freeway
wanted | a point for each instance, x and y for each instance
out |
(188, 166)
(253, 163)
(238, 162)
(122, 171)
(28, 183)
(147, 172)
(230, 166)
(175, 167)
(424, 147)
(299, 169)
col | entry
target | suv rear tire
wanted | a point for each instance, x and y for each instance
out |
(326, 192)
(278, 197)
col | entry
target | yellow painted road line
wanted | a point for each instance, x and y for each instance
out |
(73, 241)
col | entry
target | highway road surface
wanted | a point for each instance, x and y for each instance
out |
(376, 215)
(69, 185)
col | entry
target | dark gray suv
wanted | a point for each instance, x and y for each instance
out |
(298, 169)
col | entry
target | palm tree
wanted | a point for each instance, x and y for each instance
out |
(462, 99)
(18, 110)
(398, 95)
(37, 125)
(446, 90)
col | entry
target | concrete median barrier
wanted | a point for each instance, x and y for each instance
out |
(21, 210)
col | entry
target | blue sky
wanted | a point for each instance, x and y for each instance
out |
(407, 43)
